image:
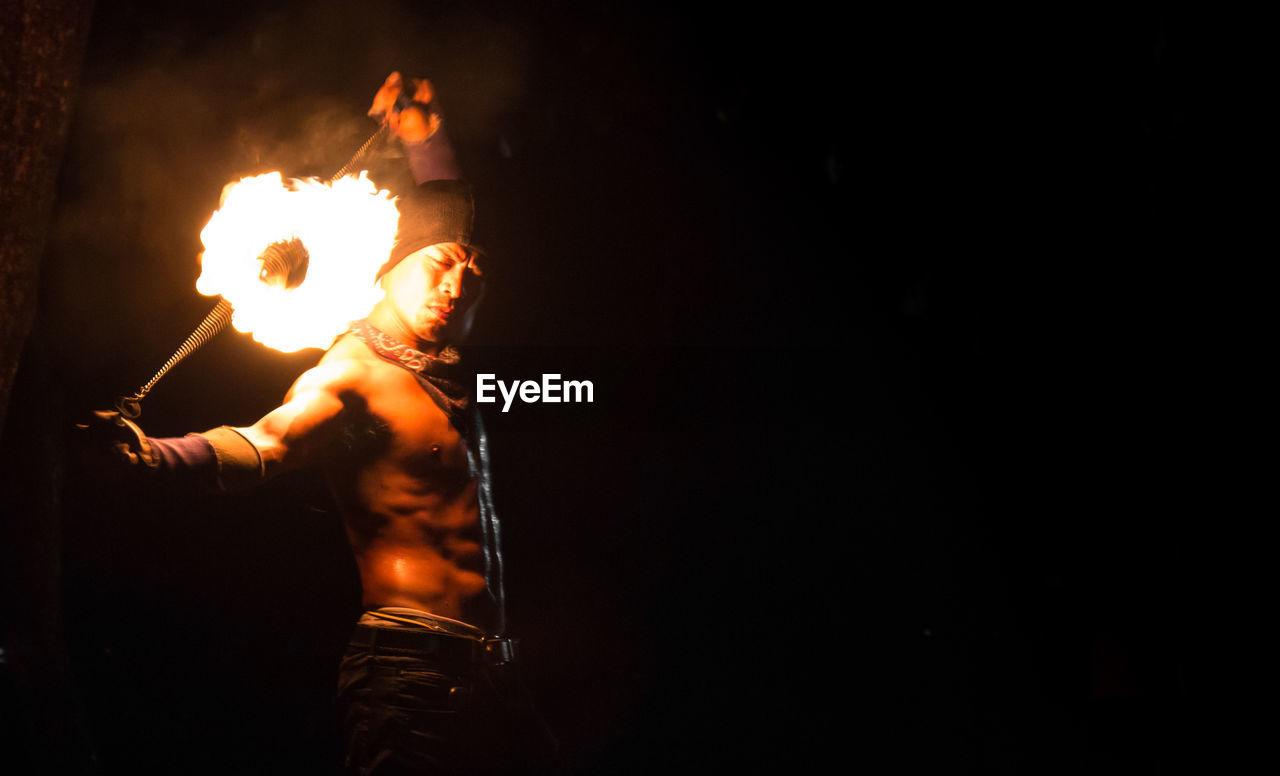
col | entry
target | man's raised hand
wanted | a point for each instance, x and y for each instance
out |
(408, 115)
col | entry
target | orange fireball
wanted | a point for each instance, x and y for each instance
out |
(347, 226)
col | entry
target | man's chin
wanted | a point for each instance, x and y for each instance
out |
(427, 338)
(430, 329)
(436, 335)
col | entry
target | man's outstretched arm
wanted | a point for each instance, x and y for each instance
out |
(292, 436)
(300, 432)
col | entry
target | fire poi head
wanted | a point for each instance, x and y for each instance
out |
(347, 228)
(438, 211)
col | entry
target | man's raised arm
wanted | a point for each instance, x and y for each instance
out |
(414, 116)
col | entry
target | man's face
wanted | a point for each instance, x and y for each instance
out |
(433, 290)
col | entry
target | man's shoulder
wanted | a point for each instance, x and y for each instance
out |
(344, 366)
(347, 350)
(350, 362)
(350, 368)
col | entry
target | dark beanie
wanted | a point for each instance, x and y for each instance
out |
(438, 211)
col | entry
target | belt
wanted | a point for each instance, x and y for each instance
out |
(451, 649)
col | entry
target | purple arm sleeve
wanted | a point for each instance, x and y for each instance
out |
(433, 158)
(189, 460)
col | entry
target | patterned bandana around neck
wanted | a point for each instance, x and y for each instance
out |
(441, 376)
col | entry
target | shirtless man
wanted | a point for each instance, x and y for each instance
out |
(385, 416)
(407, 496)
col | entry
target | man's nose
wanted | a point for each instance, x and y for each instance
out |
(451, 285)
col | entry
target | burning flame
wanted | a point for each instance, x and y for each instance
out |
(348, 228)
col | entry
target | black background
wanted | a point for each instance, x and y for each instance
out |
(889, 328)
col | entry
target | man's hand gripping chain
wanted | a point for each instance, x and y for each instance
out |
(408, 115)
(121, 438)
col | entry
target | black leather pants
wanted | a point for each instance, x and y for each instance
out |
(420, 701)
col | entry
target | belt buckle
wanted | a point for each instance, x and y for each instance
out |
(499, 651)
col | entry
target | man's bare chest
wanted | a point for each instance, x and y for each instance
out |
(403, 425)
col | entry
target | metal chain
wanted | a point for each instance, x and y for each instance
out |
(213, 323)
(351, 163)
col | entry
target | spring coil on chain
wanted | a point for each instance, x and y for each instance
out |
(218, 317)
(360, 152)
(276, 266)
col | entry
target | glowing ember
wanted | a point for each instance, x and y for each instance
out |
(348, 229)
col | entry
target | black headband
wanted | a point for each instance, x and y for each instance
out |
(434, 212)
